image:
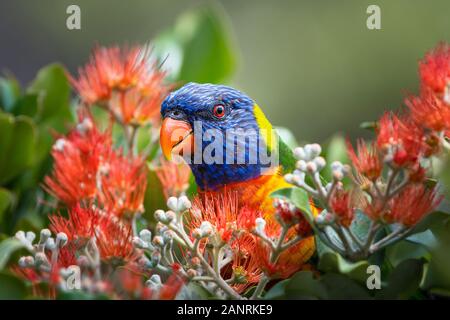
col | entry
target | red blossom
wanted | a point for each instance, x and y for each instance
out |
(412, 204)
(128, 78)
(429, 111)
(434, 69)
(366, 160)
(76, 161)
(123, 182)
(401, 139)
(174, 178)
(112, 237)
(341, 203)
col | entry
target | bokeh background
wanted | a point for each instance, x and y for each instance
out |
(313, 66)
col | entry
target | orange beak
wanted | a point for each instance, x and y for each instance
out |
(176, 138)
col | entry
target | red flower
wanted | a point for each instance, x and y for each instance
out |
(400, 139)
(76, 161)
(434, 69)
(412, 204)
(367, 161)
(429, 111)
(171, 287)
(112, 237)
(222, 210)
(123, 183)
(127, 78)
(245, 267)
(174, 178)
(342, 206)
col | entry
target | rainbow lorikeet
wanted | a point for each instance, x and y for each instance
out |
(198, 111)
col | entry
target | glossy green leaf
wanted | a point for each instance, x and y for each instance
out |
(11, 288)
(17, 147)
(53, 91)
(8, 247)
(303, 285)
(199, 48)
(6, 200)
(278, 291)
(9, 92)
(404, 280)
(333, 262)
(341, 287)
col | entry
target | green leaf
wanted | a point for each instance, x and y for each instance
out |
(278, 291)
(404, 280)
(287, 136)
(17, 146)
(9, 92)
(6, 200)
(53, 91)
(333, 262)
(26, 105)
(154, 197)
(405, 250)
(303, 286)
(199, 48)
(341, 287)
(8, 247)
(11, 288)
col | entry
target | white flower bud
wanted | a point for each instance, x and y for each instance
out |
(40, 259)
(160, 215)
(289, 178)
(172, 204)
(158, 241)
(85, 125)
(299, 153)
(45, 234)
(139, 243)
(154, 282)
(301, 165)
(312, 151)
(206, 228)
(50, 244)
(145, 235)
(311, 167)
(320, 163)
(59, 144)
(61, 239)
(30, 236)
(183, 203)
(260, 225)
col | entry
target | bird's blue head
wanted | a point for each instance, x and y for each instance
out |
(218, 130)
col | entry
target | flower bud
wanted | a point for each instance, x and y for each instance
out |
(30, 236)
(59, 145)
(172, 204)
(158, 241)
(50, 244)
(145, 235)
(320, 163)
(299, 153)
(40, 259)
(260, 225)
(139, 243)
(45, 234)
(311, 167)
(289, 178)
(61, 239)
(301, 165)
(313, 150)
(184, 203)
(155, 257)
(206, 228)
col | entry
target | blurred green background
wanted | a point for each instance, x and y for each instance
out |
(313, 66)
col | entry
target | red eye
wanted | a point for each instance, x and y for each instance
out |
(219, 111)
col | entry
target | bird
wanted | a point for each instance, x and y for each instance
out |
(197, 116)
